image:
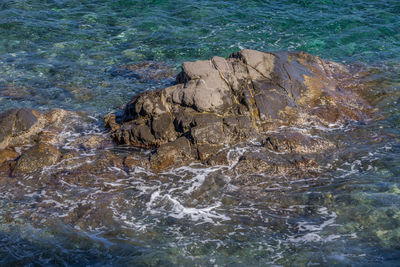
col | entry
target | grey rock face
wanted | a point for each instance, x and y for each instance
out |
(223, 101)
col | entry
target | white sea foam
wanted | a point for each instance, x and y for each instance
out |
(312, 232)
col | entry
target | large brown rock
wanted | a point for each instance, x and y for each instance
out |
(224, 101)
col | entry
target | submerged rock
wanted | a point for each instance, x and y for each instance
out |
(29, 139)
(144, 71)
(16, 92)
(7, 161)
(89, 142)
(251, 166)
(36, 158)
(223, 101)
(25, 126)
(7, 155)
(16, 124)
(291, 141)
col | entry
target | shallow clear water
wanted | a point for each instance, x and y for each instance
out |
(64, 54)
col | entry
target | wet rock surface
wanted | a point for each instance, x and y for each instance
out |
(25, 126)
(32, 140)
(16, 92)
(15, 123)
(7, 155)
(36, 158)
(289, 141)
(250, 95)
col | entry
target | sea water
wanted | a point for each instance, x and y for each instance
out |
(63, 53)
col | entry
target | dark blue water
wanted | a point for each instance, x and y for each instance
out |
(62, 53)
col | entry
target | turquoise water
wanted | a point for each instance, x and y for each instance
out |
(49, 47)
(65, 54)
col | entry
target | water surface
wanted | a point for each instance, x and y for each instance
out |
(61, 53)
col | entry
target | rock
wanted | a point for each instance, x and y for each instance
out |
(95, 165)
(5, 170)
(30, 128)
(178, 151)
(110, 122)
(275, 165)
(225, 101)
(89, 142)
(14, 123)
(82, 94)
(256, 162)
(7, 161)
(218, 158)
(70, 155)
(50, 137)
(25, 126)
(211, 187)
(54, 116)
(17, 92)
(289, 140)
(36, 158)
(144, 71)
(90, 171)
(131, 162)
(7, 155)
(239, 127)
(206, 151)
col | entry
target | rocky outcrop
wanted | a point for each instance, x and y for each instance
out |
(224, 101)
